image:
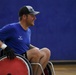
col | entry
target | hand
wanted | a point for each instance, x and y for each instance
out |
(9, 52)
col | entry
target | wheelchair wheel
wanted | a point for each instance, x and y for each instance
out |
(17, 66)
(47, 70)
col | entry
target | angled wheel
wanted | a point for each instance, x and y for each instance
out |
(47, 70)
(17, 66)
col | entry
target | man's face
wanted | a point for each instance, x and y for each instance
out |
(30, 18)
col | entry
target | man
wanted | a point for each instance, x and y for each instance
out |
(15, 38)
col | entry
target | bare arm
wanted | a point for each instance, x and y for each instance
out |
(31, 46)
(8, 51)
(2, 45)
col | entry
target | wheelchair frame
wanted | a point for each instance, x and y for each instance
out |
(49, 66)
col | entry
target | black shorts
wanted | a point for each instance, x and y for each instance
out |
(25, 55)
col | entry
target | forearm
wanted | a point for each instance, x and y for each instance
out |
(31, 46)
(7, 50)
(2, 45)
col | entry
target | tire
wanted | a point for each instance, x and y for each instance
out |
(47, 70)
(17, 66)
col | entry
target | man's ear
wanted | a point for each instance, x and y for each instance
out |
(24, 16)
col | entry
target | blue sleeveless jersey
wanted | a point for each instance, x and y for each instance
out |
(16, 37)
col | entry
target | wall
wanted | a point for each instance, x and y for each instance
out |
(54, 28)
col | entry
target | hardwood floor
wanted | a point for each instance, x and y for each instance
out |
(65, 69)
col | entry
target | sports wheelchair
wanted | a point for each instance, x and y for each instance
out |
(21, 66)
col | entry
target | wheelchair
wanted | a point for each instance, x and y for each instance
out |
(21, 66)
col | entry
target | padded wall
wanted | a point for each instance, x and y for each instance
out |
(54, 28)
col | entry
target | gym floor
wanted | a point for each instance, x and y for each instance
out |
(65, 69)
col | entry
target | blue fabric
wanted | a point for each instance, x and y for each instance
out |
(16, 37)
(55, 26)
